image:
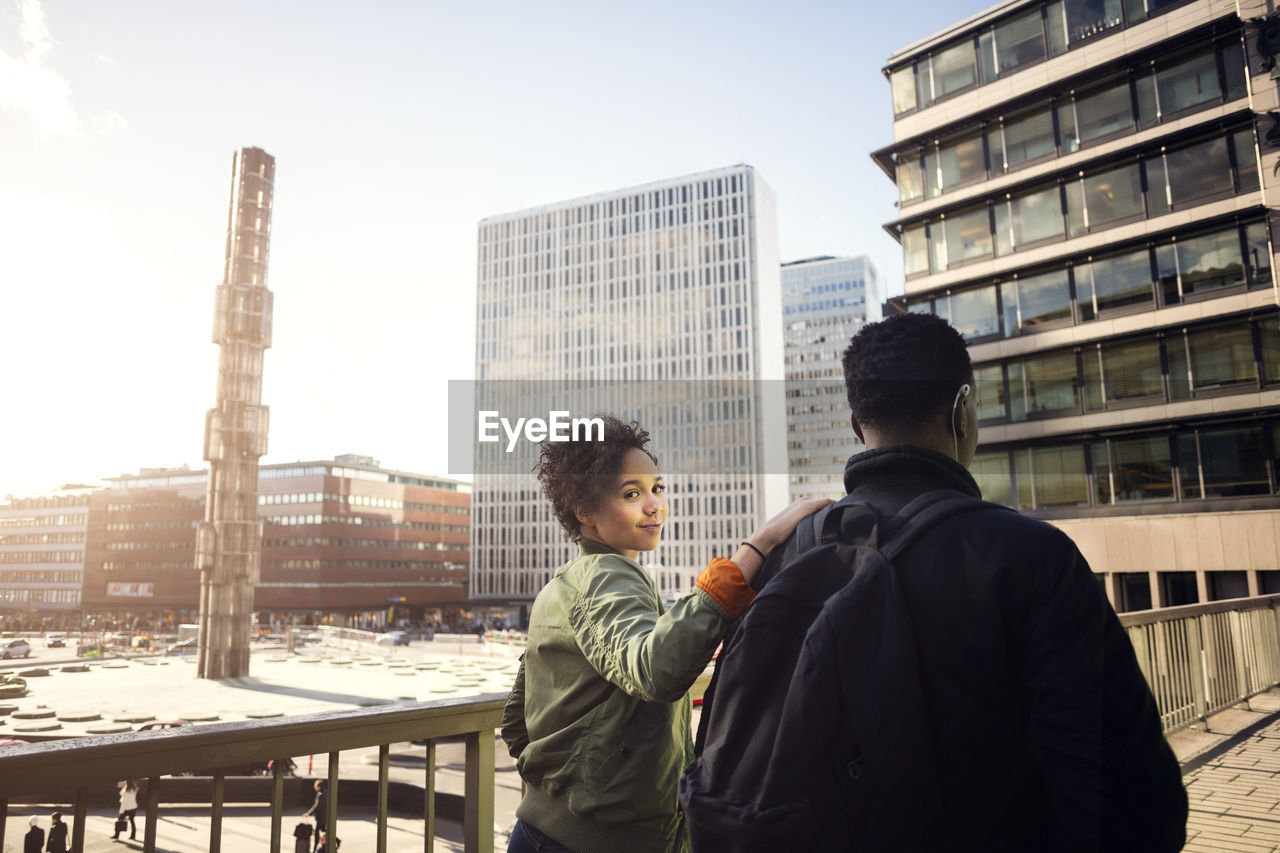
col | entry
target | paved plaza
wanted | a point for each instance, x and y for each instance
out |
(121, 692)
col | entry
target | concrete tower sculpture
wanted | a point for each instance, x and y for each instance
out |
(229, 540)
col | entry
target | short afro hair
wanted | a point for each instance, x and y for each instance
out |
(904, 369)
(575, 475)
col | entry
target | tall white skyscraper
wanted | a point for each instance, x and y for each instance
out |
(824, 303)
(660, 303)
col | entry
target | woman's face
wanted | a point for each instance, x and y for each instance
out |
(631, 513)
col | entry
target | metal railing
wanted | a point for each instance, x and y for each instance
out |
(46, 767)
(1204, 658)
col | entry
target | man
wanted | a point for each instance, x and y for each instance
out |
(1046, 733)
(57, 835)
(33, 841)
(319, 808)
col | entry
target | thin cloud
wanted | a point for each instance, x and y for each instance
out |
(29, 84)
(110, 122)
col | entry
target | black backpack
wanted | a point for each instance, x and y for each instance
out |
(814, 734)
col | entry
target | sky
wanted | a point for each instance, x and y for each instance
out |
(396, 127)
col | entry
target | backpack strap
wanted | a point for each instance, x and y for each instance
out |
(924, 513)
(894, 534)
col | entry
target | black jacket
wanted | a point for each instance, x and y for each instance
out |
(1047, 735)
(57, 838)
(33, 841)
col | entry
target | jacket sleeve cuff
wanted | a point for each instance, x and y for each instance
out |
(723, 581)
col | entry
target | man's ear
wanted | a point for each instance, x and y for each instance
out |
(857, 427)
(960, 417)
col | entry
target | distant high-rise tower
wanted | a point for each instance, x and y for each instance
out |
(229, 540)
(661, 303)
(824, 303)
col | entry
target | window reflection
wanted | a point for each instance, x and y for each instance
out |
(991, 472)
(1112, 283)
(991, 392)
(1123, 373)
(1198, 171)
(1035, 301)
(954, 68)
(1087, 18)
(967, 235)
(1019, 41)
(1050, 383)
(1188, 82)
(972, 313)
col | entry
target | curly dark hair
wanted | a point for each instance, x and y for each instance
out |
(904, 369)
(577, 474)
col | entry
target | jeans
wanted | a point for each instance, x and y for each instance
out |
(133, 823)
(526, 839)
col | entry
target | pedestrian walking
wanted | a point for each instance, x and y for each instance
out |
(57, 835)
(128, 811)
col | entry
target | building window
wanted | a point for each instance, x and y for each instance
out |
(903, 84)
(1269, 345)
(1123, 374)
(956, 162)
(1223, 462)
(991, 472)
(1095, 115)
(1187, 82)
(1083, 19)
(1043, 385)
(1198, 265)
(1022, 139)
(1179, 588)
(954, 69)
(915, 250)
(1117, 282)
(990, 393)
(1209, 360)
(971, 312)
(1036, 302)
(910, 176)
(966, 236)
(1104, 198)
(1132, 470)
(1223, 585)
(1058, 476)
(1019, 41)
(1135, 591)
(1028, 219)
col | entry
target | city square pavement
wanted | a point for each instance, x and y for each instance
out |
(314, 679)
(1231, 766)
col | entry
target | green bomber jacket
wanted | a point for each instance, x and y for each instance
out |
(599, 717)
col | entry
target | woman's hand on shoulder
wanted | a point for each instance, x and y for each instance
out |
(776, 530)
(751, 556)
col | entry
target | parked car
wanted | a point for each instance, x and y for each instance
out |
(16, 649)
(392, 638)
(55, 641)
(183, 647)
(151, 725)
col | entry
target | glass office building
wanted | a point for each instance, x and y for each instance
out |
(660, 303)
(1083, 193)
(824, 302)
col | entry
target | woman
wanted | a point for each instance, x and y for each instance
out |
(599, 719)
(128, 809)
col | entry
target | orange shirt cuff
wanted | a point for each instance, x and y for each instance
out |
(723, 581)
